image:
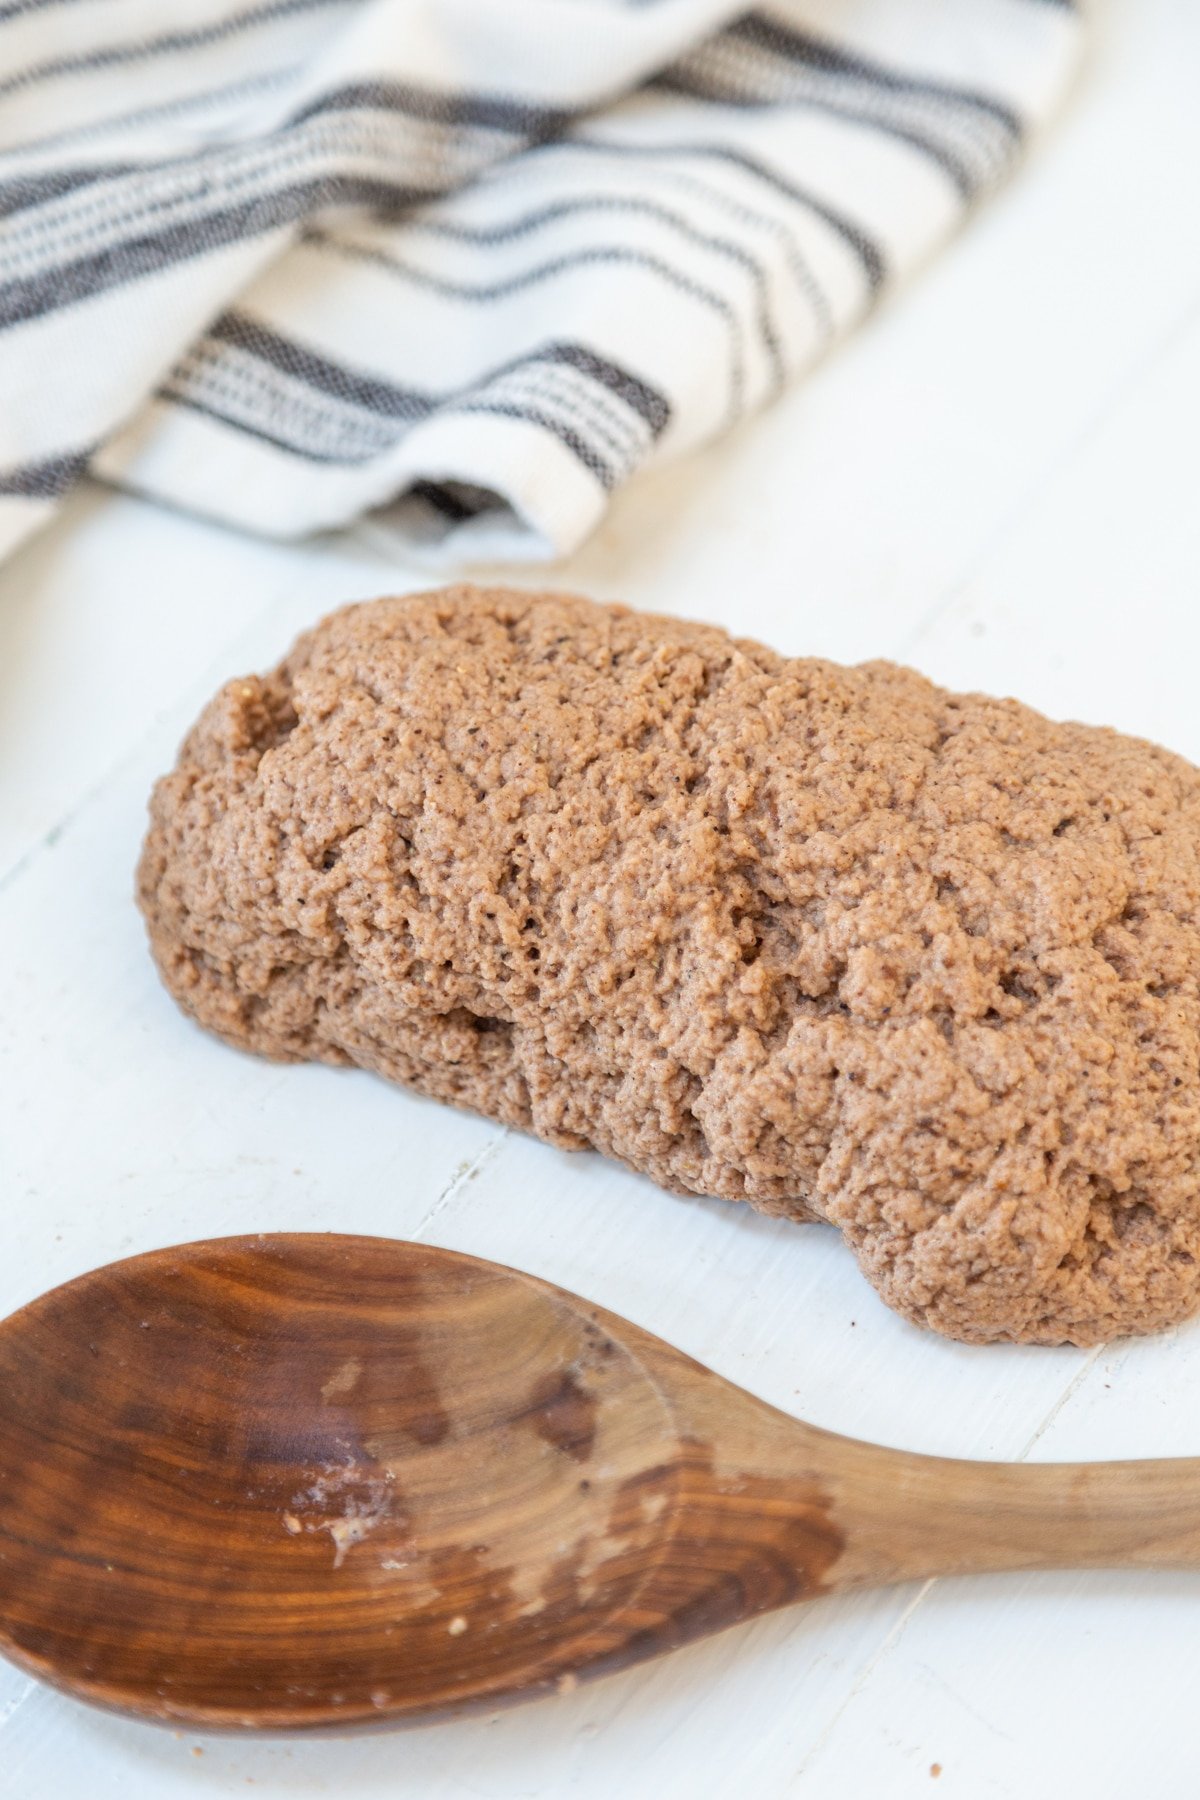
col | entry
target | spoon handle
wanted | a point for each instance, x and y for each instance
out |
(841, 1513)
(904, 1516)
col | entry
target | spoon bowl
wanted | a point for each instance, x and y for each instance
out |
(314, 1480)
(310, 1479)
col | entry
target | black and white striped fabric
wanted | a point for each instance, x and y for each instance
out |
(470, 262)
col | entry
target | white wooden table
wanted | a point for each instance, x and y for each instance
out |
(995, 481)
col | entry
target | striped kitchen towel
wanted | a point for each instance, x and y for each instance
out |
(469, 262)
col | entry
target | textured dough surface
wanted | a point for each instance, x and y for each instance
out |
(830, 940)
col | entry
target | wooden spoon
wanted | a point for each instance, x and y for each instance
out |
(314, 1480)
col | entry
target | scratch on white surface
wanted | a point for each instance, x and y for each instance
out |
(467, 1172)
(931, 1674)
(864, 1674)
(1081, 1374)
(65, 820)
(9, 1707)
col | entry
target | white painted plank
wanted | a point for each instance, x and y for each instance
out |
(121, 1125)
(1039, 1686)
(1089, 609)
(102, 618)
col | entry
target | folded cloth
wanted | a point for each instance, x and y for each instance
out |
(473, 262)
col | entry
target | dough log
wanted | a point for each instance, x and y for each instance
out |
(830, 940)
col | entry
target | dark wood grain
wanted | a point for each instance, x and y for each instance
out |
(287, 1480)
(311, 1480)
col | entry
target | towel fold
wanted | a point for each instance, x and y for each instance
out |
(470, 262)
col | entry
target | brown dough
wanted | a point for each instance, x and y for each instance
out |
(829, 940)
